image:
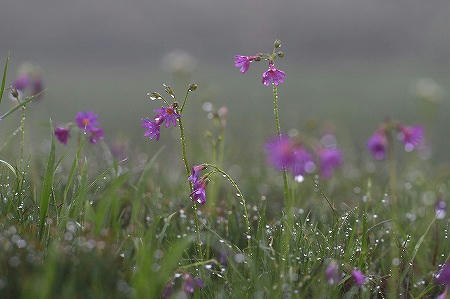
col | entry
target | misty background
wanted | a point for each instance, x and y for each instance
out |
(349, 62)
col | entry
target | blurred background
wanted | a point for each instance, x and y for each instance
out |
(349, 64)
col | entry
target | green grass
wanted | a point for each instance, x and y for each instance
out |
(77, 223)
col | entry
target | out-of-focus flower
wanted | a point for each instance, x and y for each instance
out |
(168, 115)
(332, 273)
(199, 193)
(87, 120)
(37, 86)
(303, 162)
(22, 82)
(359, 277)
(443, 277)
(62, 134)
(411, 136)
(440, 209)
(280, 152)
(168, 289)
(153, 127)
(273, 75)
(330, 159)
(428, 89)
(96, 135)
(378, 144)
(243, 62)
(179, 61)
(190, 283)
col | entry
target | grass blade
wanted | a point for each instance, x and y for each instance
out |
(5, 70)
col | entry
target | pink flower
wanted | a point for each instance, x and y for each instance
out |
(378, 144)
(272, 75)
(62, 134)
(243, 62)
(168, 115)
(359, 277)
(330, 159)
(411, 136)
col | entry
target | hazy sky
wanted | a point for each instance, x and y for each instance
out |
(105, 31)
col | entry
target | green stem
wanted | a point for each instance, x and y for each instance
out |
(240, 195)
(186, 165)
(184, 101)
(392, 170)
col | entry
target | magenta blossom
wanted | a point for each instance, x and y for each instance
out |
(378, 144)
(280, 152)
(153, 127)
(440, 209)
(332, 273)
(62, 134)
(330, 159)
(444, 278)
(168, 115)
(272, 75)
(87, 120)
(37, 86)
(96, 135)
(359, 277)
(411, 136)
(199, 193)
(303, 162)
(22, 82)
(195, 173)
(190, 283)
(243, 62)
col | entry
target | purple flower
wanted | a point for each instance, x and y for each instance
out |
(303, 162)
(96, 135)
(378, 144)
(332, 273)
(87, 120)
(62, 134)
(189, 283)
(22, 82)
(168, 115)
(153, 128)
(272, 75)
(440, 209)
(359, 277)
(37, 86)
(443, 295)
(199, 193)
(280, 152)
(444, 275)
(329, 158)
(195, 173)
(243, 62)
(411, 136)
(168, 289)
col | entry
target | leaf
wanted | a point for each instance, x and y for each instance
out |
(5, 69)
(9, 166)
(47, 184)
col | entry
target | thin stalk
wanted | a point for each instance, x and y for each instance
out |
(186, 165)
(240, 195)
(392, 170)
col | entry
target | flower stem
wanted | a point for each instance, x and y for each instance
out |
(186, 165)
(240, 195)
(392, 169)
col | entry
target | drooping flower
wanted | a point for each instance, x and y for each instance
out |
(87, 120)
(280, 152)
(199, 193)
(195, 173)
(153, 128)
(378, 144)
(330, 159)
(303, 162)
(190, 283)
(359, 277)
(243, 62)
(273, 75)
(332, 273)
(62, 134)
(440, 209)
(22, 82)
(168, 289)
(443, 277)
(96, 135)
(411, 136)
(168, 115)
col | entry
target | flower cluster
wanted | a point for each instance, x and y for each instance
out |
(285, 153)
(272, 75)
(165, 115)
(198, 184)
(88, 123)
(411, 137)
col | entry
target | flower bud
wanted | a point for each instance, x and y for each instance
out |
(192, 87)
(277, 44)
(14, 92)
(169, 90)
(257, 58)
(154, 96)
(280, 54)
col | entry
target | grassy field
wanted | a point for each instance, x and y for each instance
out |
(115, 220)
